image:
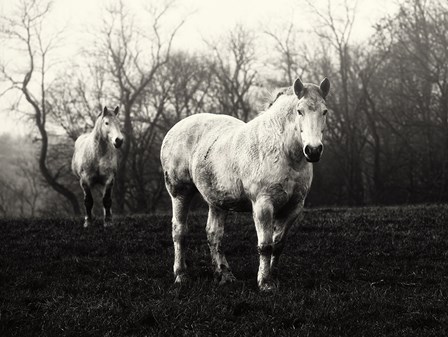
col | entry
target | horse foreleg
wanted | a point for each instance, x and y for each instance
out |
(88, 204)
(282, 225)
(179, 232)
(107, 203)
(263, 216)
(215, 232)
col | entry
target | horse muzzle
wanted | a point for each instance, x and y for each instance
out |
(118, 142)
(313, 153)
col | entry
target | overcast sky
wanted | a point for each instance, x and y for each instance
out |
(207, 19)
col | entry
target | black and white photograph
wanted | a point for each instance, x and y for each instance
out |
(224, 168)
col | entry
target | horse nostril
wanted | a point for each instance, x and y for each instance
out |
(308, 150)
(313, 153)
(118, 142)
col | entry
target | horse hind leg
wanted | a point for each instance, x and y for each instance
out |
(88, 204)
(181, 205)
(215, 232)
(107, 204)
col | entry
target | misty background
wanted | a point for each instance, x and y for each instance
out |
(161, 61)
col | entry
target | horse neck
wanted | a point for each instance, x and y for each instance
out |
(101, 145)
(278, 124)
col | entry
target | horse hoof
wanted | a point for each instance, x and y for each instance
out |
(108, 224)
(226, 278)
(87, 223)
(181, 278)
(268, 286)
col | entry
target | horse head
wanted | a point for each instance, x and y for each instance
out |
(110, 127)
(311, 116)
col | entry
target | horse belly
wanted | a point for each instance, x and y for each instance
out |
(223, 190)
(106, 170)
(98, 172)
(226, 199)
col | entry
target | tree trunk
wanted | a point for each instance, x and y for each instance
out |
(66, 193)
(40, 115)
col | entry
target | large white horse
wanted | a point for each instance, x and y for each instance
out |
(263, 166)
(94, 162)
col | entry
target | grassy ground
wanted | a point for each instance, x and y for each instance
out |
(346, 272)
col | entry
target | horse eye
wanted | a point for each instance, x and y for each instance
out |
(107, 123)
(325, 112)
(300, 112)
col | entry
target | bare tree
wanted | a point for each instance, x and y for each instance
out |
(414, 98)
(234, 73)
(78, 97)
(25, 29)
(290, 56)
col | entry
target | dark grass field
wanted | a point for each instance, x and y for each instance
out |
(346, 272)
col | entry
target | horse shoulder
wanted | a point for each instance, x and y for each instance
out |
(277, 179)
(81, 140)
(77, 158)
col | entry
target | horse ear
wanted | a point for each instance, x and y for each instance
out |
(298, 87)
(117, 109)
(325, 87)
(105, 111)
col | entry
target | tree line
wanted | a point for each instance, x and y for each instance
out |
(387, 136)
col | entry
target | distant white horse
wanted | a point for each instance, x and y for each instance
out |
(261, 166)
(94, 162)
